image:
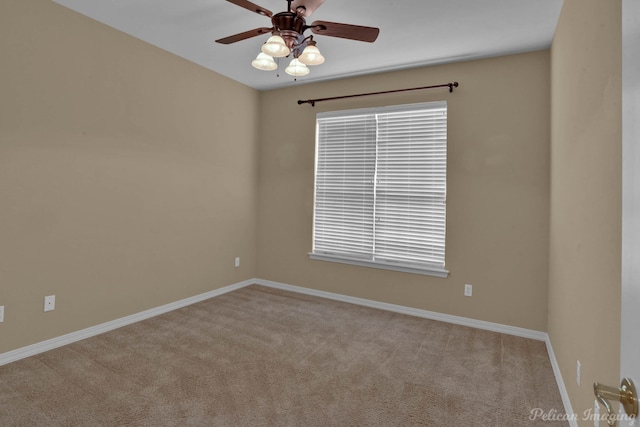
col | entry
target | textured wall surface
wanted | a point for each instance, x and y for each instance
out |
(127, 174)
(586, 173)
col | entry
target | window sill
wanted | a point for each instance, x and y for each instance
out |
(405, 268)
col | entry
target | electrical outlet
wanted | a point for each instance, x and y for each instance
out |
(578, 369)
(50, 303)
(237, 264)
(1, 313)
(468, 290)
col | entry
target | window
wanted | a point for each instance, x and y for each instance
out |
(380, 187)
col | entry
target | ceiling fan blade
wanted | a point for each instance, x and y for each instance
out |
(345, 31)
(309, 5)
(252, 7)
(246, 35)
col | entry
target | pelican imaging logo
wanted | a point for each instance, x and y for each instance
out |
(539, 414)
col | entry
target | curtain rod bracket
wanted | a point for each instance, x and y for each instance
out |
(313, 101)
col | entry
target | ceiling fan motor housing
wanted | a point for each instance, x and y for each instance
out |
(291, 26)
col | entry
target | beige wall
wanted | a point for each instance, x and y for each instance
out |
(498, 190)
(127, 175)
(585, 243)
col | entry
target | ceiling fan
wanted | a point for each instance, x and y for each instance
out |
(287, 35)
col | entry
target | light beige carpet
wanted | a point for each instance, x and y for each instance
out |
(265, 357)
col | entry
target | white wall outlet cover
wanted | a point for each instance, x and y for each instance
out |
(49, 303)
(578, 369)
(1, 313)
(468, 290)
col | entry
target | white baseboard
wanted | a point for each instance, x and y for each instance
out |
(72, 337)
(448, 318)
(568, 409)
(41, 347)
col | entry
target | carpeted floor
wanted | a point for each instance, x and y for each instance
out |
(264, 357)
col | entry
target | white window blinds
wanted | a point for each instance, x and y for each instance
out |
(381, 185)
(345, 171)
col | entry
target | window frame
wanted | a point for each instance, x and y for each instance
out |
(403, 266)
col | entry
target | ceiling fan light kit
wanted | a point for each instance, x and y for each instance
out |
(311, 54)
(275, 47)
(264, 62)
(287, 36)
(296, 68)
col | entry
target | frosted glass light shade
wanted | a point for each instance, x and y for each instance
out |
(275, 47)
(264, 62)
(296, 68)
(311, 55)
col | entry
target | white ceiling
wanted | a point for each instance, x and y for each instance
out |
(412, 32)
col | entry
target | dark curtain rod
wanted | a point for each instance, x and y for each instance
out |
(313, 101)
